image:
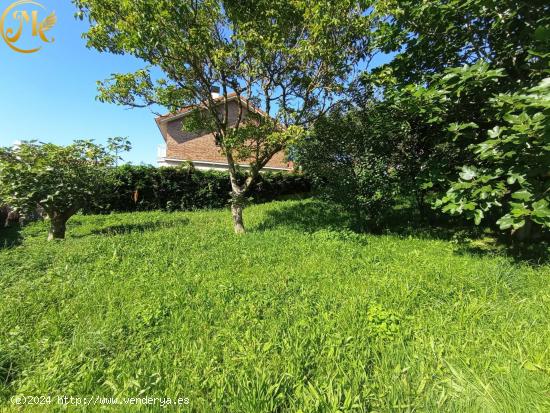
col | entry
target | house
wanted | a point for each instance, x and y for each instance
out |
(201, 148)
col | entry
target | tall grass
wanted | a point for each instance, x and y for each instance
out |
(299, 315)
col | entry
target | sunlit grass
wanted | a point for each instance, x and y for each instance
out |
(299, 314)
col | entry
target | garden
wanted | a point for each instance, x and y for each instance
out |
(301, 314)
(402, 266)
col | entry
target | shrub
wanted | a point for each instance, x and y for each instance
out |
(60, 180)
(509, 172)
(145, 188)
(352, 159)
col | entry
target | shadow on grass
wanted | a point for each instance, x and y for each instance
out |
(317, 215)
(121, 229)
(9, 370)
(470, 240)
(308, 217)
(527, 253)
(10, 237)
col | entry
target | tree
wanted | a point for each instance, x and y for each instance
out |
(466, 68)
(290, 59)
(379, 150)
(59, 179)
(429, 37)
(510, 170)
(418, 122)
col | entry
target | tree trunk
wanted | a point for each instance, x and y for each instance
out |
(237, 213)
(58, 226)
(529, 232)
(238, 193)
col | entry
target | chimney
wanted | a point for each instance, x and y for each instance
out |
(215, 91)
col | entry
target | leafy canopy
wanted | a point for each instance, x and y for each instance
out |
(289, 59)
(511, 170)
(59, 179)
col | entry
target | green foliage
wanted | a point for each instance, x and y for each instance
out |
(432, 36)
(146, 188)
(59, 179)
(290, 60)
(503, 178)
(299, 315)
(351, 161)
(443, 118)
(418, 125)
(377, 152)
(512, 172)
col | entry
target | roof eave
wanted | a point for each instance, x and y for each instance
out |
(167, 118)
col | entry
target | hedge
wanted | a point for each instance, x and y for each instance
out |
(144, 188)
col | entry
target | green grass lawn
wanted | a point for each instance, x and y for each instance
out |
(298, 315)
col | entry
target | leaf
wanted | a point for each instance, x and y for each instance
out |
(541, 212)
(541, 204)
(49, 21)
(495, 132)
(455, 127)
(468, 173)
(505, 222)
(522, 195)
(478, 216)
(519, 209)
(514, 177)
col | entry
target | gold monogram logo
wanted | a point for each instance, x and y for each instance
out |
(13, 35)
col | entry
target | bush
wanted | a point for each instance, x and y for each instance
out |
(509, 170)
(59, 180)
(146, 188)
(359, 158)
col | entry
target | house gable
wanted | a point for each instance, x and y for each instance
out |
(200, 147)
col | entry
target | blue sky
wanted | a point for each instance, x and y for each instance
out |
(50, 95)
